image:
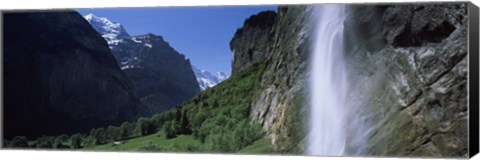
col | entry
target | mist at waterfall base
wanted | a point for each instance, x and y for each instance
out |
(330, 116)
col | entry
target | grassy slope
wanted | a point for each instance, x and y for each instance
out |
(216, 115)
(262, 145)
(158, 139)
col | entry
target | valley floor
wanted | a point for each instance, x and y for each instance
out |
(183, 143)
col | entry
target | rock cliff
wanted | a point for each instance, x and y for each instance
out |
(281, 42)
(411, 62)
(408, 73)
(60, 77)
(250, 42)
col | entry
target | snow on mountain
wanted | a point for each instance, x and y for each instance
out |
(112, 32)
(206, 79)
(123, 47)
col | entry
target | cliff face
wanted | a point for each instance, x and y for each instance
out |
(60, 77)
(407, 69)
(411, 62)
(250, 42)
(162, 77)
(284, 49)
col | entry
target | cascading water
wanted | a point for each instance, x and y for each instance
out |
(328, 128)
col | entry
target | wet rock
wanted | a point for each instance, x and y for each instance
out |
(421, 73)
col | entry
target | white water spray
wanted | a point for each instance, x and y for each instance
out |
(328, 126)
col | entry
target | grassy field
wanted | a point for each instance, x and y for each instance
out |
(182, 143)
(261, 146)
(158, 140)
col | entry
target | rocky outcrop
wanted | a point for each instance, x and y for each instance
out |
(411, 62)
(60, 77)
(249, 42)
(281, 42)
(162, 77)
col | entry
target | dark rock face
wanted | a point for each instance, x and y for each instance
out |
(162, 77)
(412, 65)
(60, 77)
(248, 44)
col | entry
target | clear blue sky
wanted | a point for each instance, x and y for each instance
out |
(202, 34)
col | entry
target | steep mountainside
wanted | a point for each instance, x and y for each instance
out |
(255, 33)
(162, 77)
(60, 77)
(411, 62)
(207, 80)
(284, 48)
(408, 73)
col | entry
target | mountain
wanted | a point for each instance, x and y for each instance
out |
(162, 77)
(112, 32)
(60, 77)
(207, 80)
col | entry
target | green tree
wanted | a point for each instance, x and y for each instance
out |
(112, 133)
(100, 136)
(126, 130)
(44, 142)
(19, 142)
(149, 146)
(76, 141)
(184, 127)
(169, 128)
(91, 138)
(215, 104)
(145, 126)
(59, 140)
(97, 136)
(156, 121)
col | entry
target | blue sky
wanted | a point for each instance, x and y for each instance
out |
(202, 34)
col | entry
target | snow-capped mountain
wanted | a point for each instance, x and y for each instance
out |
(206, 79)
(133, 51)
(162, 77)
(112, 32)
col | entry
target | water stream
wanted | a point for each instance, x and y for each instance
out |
(328, 108)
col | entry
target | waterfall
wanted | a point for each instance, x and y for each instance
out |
(328, 125)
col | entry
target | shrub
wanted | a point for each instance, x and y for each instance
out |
(150, 146)
(59, 140)
(44, 142)
(126, 130)
(145, 126)
(98, 136)
(19, 142)
(171, 129)
(76, 140)
(112, 134)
